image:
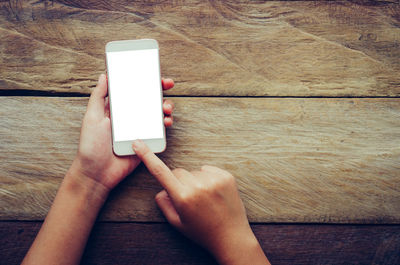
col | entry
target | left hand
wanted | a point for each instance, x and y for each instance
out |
(95, 159)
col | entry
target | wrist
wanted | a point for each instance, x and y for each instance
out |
(232, 248)
(83, 186)
(67, 226)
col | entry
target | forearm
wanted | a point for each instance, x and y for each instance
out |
(64, 233)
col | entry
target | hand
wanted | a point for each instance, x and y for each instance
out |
(95, 159)
(84, 189)
(206, 207)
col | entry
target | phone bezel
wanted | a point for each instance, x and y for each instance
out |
(123, 148)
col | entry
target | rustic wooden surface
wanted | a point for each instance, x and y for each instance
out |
(138, 243)
(246, 48)
(299, 159)
(296, 160)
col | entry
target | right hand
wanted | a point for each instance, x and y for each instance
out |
(205, 206)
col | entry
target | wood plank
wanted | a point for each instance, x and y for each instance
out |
(295, 160)
(246, 48)
(141, 243)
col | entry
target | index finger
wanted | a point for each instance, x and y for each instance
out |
(157, 168)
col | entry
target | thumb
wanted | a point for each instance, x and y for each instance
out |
(164, 202)
(97, 98)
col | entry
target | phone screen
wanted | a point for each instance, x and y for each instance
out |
(134, 89)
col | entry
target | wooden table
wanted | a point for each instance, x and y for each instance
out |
(299, 100)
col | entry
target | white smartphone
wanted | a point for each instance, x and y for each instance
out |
(135, 95)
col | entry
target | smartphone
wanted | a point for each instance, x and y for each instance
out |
(135, 95)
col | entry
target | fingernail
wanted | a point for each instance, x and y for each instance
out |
(137, 144)
(101, 78)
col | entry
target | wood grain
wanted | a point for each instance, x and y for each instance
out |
(295, 160)
(245, 48)
(139, 243)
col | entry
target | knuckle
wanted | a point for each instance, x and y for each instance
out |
(94, 91)
(220, 174)
(184, 199)
(201, 188)
(219, 184)
(178, 170)
(189, 197)
(224, 180)
(144, 153)
(228, 176)
(89, 115)
(205, 167)
(157, 169)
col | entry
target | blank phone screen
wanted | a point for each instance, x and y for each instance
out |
(134, 89)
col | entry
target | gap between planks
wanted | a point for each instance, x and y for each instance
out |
(37, 93)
